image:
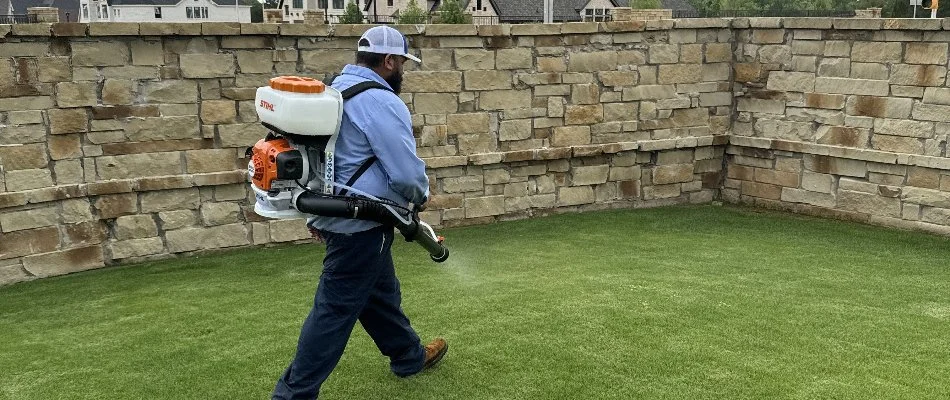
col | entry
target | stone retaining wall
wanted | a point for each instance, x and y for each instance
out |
(850, 122)
(126, 142)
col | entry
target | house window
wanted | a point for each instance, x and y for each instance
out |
(596, 14)
(389, 3)
(338, 4)
(298, 3)
(286, 9)
(85, 11)
(158, 13)
(196, 12)
(115, 12)
(104, 12)
(322, 4)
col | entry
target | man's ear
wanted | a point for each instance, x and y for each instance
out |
(389, 62)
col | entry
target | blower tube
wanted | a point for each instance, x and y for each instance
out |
(376, 211)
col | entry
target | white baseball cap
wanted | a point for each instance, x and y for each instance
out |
(385, 40)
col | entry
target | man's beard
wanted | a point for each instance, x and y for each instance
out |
(395, 82)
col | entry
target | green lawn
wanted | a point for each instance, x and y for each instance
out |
(672, 303)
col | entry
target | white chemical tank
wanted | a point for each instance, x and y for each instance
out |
(299, 106)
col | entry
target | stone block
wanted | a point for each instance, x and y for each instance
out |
(897, 144)
(218, 111)
(583, 114)
(937, 96)
(880, 107)
(99, 53)
(488, 80)
(593, 61)
(430, 81)
(27, 179)
(136, 248)
(515, 130)
(680, 73)
(135, 227)
(718, 52)
(844, 136)
(768, 36)
(866, 24)
(177, 219)
(775, 54)
(26, 242)
(12, 221)
(238, 135)
(926, 53)
(835, 166)
(468, 123)
(214, 214)
(573, 196)
(674, 173)
(918, 75)
(76, 94)
(65, 147)
(852, 86)
(591, 175)
(571, 136)
(218, 237)
(835, 67)
(656, 192)
(256, 61)
(926, 197)
(113, 29)
(664, 54)
(477, 207)
(761, 106)
(825, 101)
(518, 58)
(792, 195)
(168, 200)
(649, 92)
(931, 112)
(138, 165)
(171, 91)
(207, 65)
(761, 190)
(170, 29)
(26, 156)
(791, 81)
(64, 262)
(904, 127)
(112, 206)
(474, 59)
(876, 52)
(504, 99)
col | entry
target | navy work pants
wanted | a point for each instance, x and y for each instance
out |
(358, 283)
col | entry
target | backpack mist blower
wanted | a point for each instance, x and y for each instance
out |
(291, 170)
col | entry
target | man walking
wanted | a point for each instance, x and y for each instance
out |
(375, 153)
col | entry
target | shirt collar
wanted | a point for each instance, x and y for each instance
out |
(364, 72)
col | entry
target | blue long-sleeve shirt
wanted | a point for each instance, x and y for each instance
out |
(375, 122)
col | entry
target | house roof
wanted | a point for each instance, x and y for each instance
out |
(169, 3)
(65, 6)
(564, 10)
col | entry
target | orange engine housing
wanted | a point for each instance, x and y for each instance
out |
(264, 160)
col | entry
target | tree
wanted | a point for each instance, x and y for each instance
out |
(413, 14)
(257, 9)
(353, 14)
(645, 4)
(450, 12)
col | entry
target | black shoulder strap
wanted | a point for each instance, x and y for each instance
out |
(362, 87)
(349, 93)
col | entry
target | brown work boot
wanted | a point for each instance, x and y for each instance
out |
(435, 350)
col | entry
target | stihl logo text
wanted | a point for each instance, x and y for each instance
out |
(267, 106)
